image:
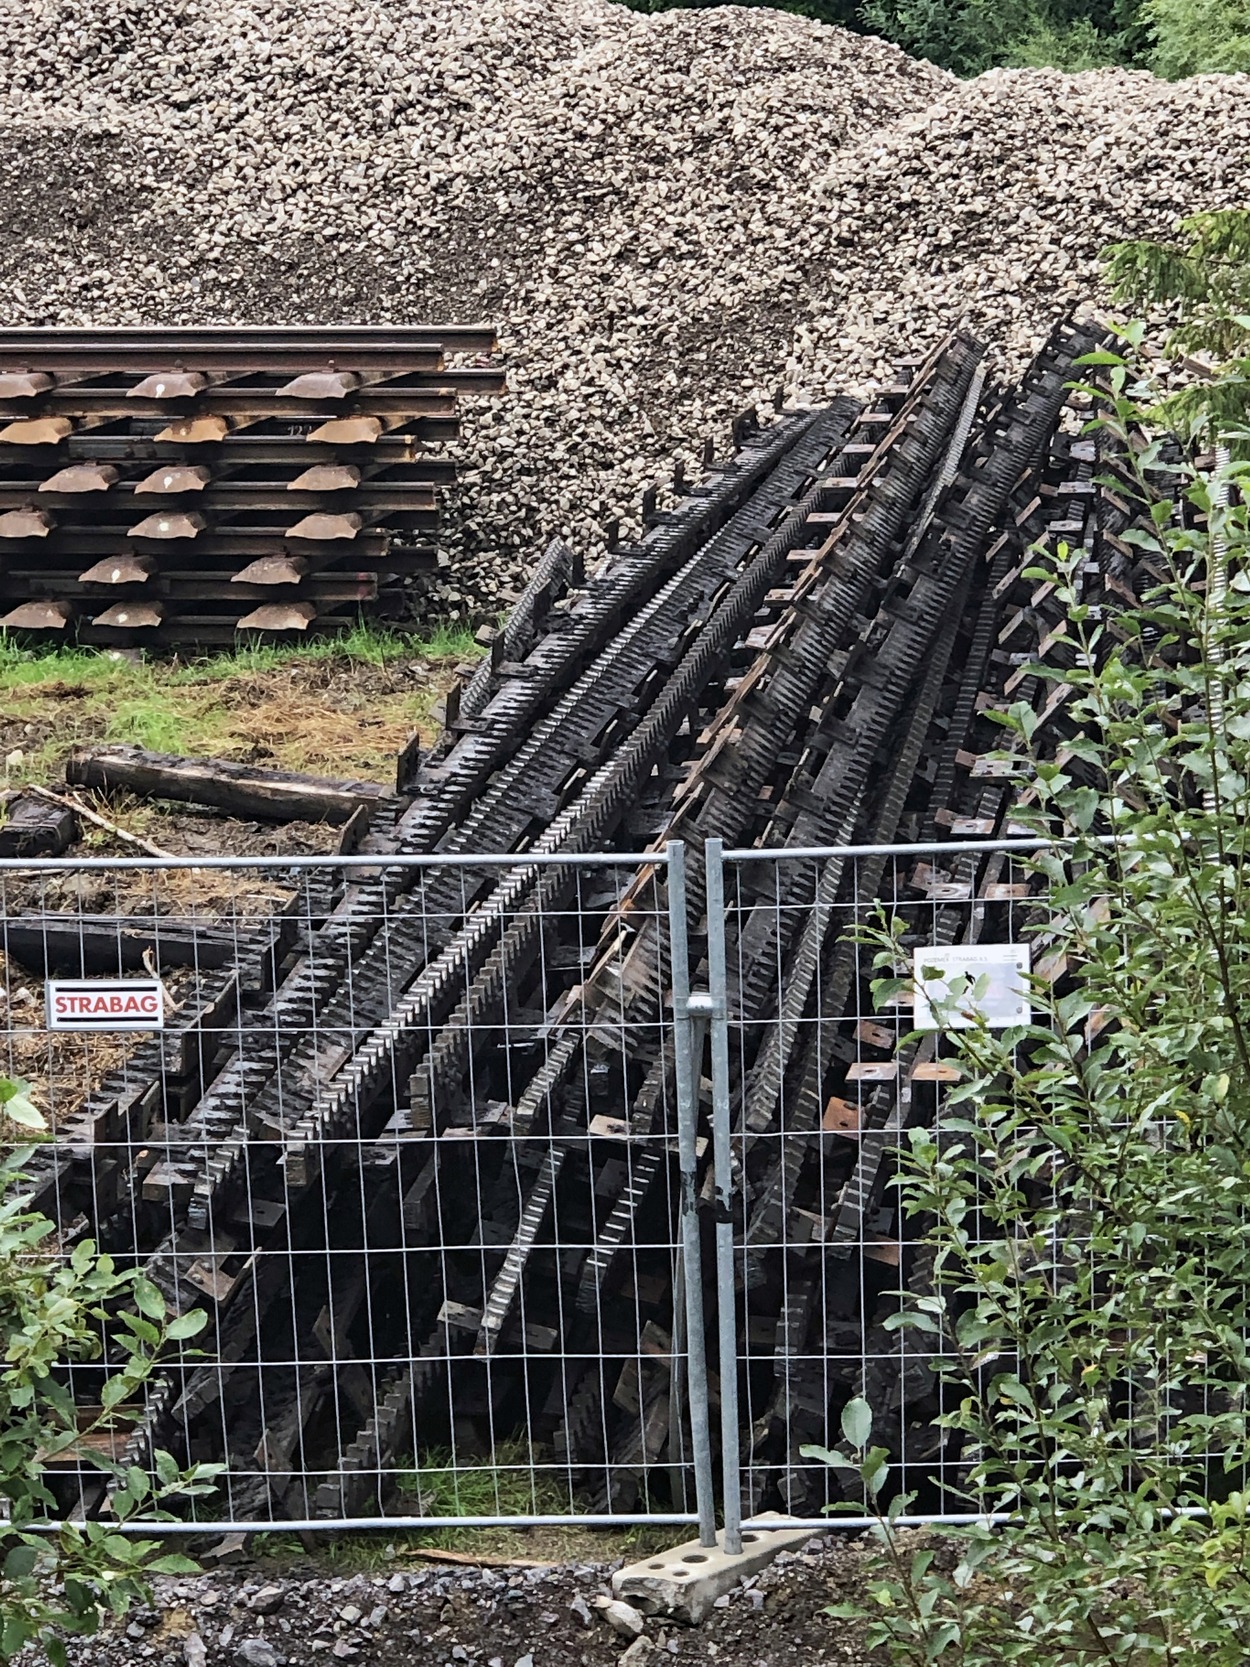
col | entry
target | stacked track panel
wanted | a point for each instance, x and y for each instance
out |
(180, 487)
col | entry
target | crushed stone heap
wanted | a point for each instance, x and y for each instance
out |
(669, 215)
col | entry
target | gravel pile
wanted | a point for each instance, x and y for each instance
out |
(669, 216)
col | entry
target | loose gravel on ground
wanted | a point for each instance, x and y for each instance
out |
(535, 1617)
(668, 216)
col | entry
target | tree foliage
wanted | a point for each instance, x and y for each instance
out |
(1196, 37)
(969, 36)
(1173, 37)
(56, 1314)
(1204, 275)
(1083, 1194)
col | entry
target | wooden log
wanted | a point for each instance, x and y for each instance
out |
(109, 945)
(241, 789)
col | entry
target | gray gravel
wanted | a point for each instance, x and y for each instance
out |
(667, 215)
(492, 1617)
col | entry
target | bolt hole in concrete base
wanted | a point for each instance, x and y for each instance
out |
(665, 1587)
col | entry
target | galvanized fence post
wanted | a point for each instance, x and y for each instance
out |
(689, 1028)
(722, 1163)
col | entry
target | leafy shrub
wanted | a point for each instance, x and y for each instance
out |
(1083, 1196)
(55, 1313)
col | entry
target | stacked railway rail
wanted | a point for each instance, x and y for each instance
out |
(424, 1177)
(183, 487)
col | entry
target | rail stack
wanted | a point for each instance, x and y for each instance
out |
(424, 1177)
(183, 486)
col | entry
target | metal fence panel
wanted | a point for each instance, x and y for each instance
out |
(814, 1091)
(410, 1136)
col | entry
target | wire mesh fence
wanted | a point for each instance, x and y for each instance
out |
(820, 1084)
(484, 1230)
(407, 1132)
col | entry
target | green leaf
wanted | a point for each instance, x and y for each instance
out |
(942, 1638)
(186, 1325)
(829, 1456)
(857, 1422)
(173, 1563)
(166, 1467)
(874, 1470)
(20, 1562)
(17, 1631)
(115, 1392)
(148, 1300)
(21, 1110)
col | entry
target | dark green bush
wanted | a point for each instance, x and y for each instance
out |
(1173, 37)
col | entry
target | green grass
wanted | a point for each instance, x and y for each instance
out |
(513, 1485)
(504, 1486)
(365, 643)
(299, 702)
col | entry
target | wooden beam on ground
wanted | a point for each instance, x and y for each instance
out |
(241, 789)
(109, 945)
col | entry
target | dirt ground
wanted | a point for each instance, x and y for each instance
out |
(267, 1614)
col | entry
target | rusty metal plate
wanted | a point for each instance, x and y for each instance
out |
(324, 528)
(39, 616)
(320, 384)
(936, 1070)
(37, 431)
(132, 616)
(172, 384)
(124, 569)
(196, 431)
(26, 523)
(344, 431)
(326, 477)
(24, 384)
(176, 478)
(872, 1070)
(169, 524)
(841, 1117)
(81, 477)
(273, 570)
(279, 616)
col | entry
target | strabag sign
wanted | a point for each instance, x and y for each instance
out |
(106, 1004)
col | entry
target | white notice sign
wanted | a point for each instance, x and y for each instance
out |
(105, 1004)
(1002, 1002)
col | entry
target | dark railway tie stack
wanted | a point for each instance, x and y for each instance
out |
(183, 486)
(801, 652)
